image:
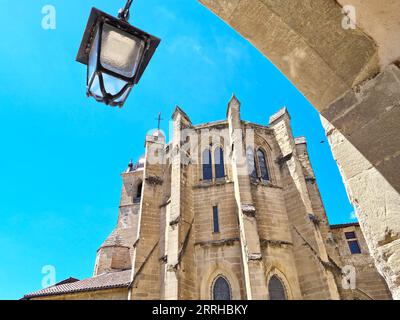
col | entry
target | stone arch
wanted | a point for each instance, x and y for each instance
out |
(225, 281)
(263, 164)
(322, 62)
(281, 276)
(330, 64)
(351, 76)
(213, 272)
(260, 143)
(263, 143)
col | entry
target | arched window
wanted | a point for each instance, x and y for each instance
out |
(138, 192)
(262, 162)
(219, 163)
(251, 161)
(221, 289)
(207, 166)
(276, 289)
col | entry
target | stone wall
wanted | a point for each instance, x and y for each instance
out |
(116, 252)
(266, 227)
(146, 260)
(369, 284)
(376, 203)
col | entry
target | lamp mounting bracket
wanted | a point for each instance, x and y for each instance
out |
(124, 13)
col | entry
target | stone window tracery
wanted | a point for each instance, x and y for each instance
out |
(258, 164)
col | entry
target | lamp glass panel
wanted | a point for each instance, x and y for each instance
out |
(120, 51)
(92, 65)
(112, 84)
(95, 87)
(124, 95)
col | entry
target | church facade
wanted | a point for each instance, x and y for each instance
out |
(226, 210)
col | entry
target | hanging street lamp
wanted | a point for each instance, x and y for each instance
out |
(116, 55)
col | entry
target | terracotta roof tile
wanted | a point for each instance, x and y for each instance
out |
(101, 282)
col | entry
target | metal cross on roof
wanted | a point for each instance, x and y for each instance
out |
(159, 121)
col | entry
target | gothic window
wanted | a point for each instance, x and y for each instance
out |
(219, 163)
(215, 219)
(221, 289)
(276, 289)
(262, 162)
(207, 166)
(251, 160)
(258, 166)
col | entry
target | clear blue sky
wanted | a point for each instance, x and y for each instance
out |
(62, 154)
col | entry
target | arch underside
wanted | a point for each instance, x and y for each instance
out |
(329, 64)
(351, 76)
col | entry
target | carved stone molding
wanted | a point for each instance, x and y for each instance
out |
(248, 210)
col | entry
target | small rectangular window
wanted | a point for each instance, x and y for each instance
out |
(352, 242)
(354, 247)
(215, 219)
(350, 235)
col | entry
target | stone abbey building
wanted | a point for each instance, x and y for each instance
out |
(236, 215)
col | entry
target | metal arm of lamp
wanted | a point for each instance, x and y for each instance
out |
(124, 13)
